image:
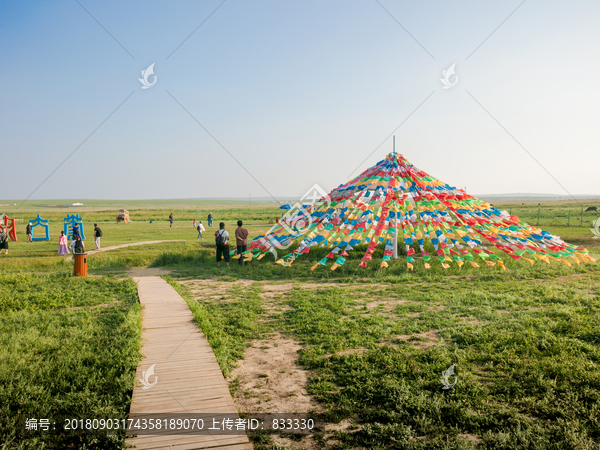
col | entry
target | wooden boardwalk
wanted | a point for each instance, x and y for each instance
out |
(188, 377)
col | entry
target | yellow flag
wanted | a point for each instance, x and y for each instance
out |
(490, 263)
(531, 261)
(543, 258)
(261, 256)
(501, 264)
(427, 266)
(383, 264)
(566, 262)
(445, 266)
(335, 266)
(474, 264)
(315, 266)
(410, 266)
(460, 264)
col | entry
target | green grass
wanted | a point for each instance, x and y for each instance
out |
(527, 354)
(528, 376)
(69, 348)
(525, 342)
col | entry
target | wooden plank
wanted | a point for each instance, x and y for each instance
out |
(187, 376)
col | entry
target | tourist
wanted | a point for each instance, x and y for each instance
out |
(241, 238)
(3, 240)
(222, 241)
(74, 234)
(170, 220)
(209, 220)
(78, 246)
(200, 229)
(29, 233)
(97, 235)
(62, 244)
(194, 223)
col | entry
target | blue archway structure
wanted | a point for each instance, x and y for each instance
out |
(41, 223)
(71, 220)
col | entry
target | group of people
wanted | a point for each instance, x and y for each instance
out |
(222, 243)
(222, 239)
(77, 244)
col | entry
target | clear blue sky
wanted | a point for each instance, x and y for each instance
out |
(299, 92)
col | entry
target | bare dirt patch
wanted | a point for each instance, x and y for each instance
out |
(471, 438)
(422, 340)
(270, 381)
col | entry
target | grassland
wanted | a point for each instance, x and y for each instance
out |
(374, 343)
(69, 348)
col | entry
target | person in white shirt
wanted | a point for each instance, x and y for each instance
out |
(200, 229)
(222, 241)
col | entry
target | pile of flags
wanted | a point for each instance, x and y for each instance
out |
(395, 202)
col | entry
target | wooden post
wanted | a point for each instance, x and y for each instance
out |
(569, 219)
(539, 207)
(582, 216)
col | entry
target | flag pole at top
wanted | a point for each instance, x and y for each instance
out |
(395, 251)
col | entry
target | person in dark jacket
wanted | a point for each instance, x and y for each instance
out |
(97, 235)
(79, 246)
(222, 241)
(3, 240)
(29, 232)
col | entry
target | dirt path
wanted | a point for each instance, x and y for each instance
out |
(114, 247)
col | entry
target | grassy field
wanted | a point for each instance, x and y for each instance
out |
(373, 343)
(69, 348)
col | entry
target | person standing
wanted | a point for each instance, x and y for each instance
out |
(194, 224)
(200, 229)
(222, 241)
(3, 240)
(74, 234)
(62, 244)
(241, 238)
(97, 235)
(209, 220)
(170, 220)
(78, 246)
(29, 233)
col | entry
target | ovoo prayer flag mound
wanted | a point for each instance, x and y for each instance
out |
(396, 197)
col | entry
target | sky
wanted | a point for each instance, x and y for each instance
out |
(267, 98)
